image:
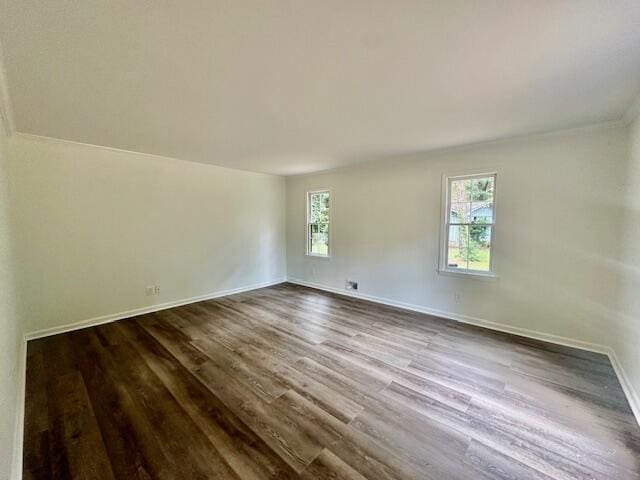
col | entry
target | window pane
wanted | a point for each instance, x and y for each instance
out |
(481, 212)
(319, 207)
(470, 217)
(457, 246)
(319, 239)
(460, 191)
(482, 189)
(479, 250)
(459, 212)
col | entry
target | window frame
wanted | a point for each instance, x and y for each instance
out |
(307, 248)
(443, 267)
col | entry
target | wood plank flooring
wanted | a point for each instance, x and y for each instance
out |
(290, 382)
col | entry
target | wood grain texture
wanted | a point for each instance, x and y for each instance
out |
(290, 382)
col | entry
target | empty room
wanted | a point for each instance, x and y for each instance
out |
(336, 240)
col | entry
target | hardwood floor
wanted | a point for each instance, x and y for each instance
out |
(290, 382)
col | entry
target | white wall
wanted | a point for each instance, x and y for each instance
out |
(10, 328)
(626, 331)
(96, 226)
(556, 239)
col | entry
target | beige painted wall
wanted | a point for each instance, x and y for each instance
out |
(10, 327)
(96, 226)
(558, 227)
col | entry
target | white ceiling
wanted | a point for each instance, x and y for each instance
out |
(294, 86)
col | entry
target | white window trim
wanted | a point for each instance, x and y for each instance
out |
(306, 223)
(443, 269)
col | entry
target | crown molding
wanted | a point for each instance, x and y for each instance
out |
(6, 112)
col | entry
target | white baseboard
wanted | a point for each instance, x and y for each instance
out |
(632, 396)
(523, 332)
(92, 322)
(18, 430)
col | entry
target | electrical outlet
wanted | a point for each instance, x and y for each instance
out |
(457, 297)
(351, 285)
(150, 290)
(156, 289)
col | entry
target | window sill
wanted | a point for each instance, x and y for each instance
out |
(485, 277)
(319, 257)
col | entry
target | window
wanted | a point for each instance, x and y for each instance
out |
(469, 220)
(318, 223)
